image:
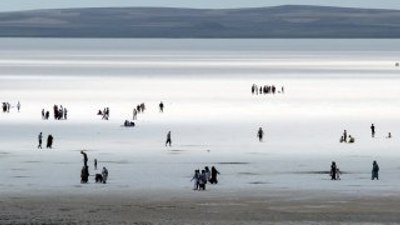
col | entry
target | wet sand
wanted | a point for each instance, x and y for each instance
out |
(247, 207)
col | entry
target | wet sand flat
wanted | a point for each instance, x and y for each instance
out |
(268, 207)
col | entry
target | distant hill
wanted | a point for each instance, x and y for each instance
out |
(270, 22)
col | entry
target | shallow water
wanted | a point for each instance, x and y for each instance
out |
(330, 85)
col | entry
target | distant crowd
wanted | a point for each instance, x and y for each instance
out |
(266, 89)
(59, 112)
(6, 107)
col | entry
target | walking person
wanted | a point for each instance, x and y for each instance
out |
(372, 130)
(214, 174)
(49, 141)
(260, 134)
(375, 171)
(169, 140)
(195, 179)
(40, 139)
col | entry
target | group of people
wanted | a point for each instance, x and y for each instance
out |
(105, 113)
(140, 108)
(347, 138)
(99, 177)
(60, 113)
(49, 143)
(266, 89)
(201, 179)
(6, 106)
(335, 172)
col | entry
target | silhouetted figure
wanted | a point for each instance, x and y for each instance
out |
(375, 171)
(43, 114)
(18, 106)
(161, 106)
(85, 158)
(341, 139)
(333, 171)
(49, 141)
(98, 178)
(372, 130)
(47, 115)
(389, 135)
(351, 139)
(260, 134)
(169, 140)
(195, 179)
(84, 175)
(214, 174)
(55, 109)
(104, 172)
(40, 139)
(129, 124)
(95, 164)
(345, 135)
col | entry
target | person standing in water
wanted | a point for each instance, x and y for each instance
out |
(40, 139)
(95, 164)
(18, 106)
(49, 141)
(161, 106)
(372, 130)
(333, 172)
(169, 140)
(375, 171)
(260, 134)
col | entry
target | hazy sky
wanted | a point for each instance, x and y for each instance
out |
(14, 5)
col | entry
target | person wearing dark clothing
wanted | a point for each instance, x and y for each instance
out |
(40, 139)
(104, 173)
(85, 158)
(260, 134)
(47, 115)
(214, 174)
(333, 171)
(169, 140)
(161, 106)
(345, 136)
(49, 141)
(95, 164)
(375, 171)
(84, 175)
(372, 130)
